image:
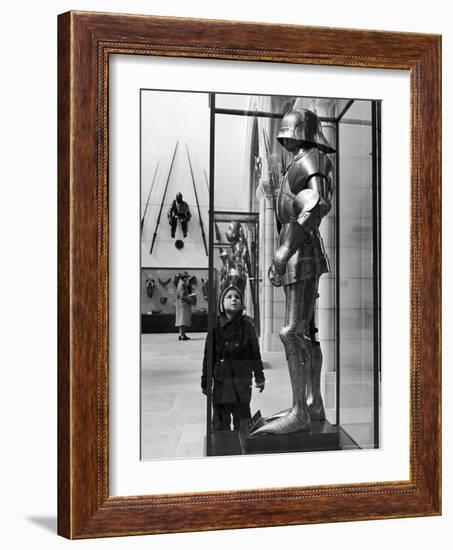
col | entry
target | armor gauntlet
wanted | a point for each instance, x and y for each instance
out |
(293, 239)
(312, 208)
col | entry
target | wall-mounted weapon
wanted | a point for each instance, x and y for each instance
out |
(164, 283)
(205, 287)
(274, 173)
(273, 169)
(198, 204)
(150, 284)
(163, 198)
(176, 279)
(149, 196)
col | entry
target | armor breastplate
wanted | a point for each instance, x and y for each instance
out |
(285, 201)
(310, 259)
(304, 166)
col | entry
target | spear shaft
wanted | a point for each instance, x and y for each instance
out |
(198, 204)
(149, 196)
(163, 198)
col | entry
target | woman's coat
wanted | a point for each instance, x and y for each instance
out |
(183, 306)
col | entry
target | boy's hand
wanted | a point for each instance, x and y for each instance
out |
(260, 386)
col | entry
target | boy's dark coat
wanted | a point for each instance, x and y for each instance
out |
(236, 357)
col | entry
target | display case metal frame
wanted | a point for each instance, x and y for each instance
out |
(218, 216)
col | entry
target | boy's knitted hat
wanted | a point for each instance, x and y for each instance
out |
(224, 293)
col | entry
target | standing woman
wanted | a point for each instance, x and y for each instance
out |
(183, 306)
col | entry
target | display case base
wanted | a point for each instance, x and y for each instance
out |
(322, 436)
(160, 323)
(225, 443)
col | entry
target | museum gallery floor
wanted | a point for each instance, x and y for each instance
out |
(174, 409)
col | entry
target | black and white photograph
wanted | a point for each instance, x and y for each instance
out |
(259, 274)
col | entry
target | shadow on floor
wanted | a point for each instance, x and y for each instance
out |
(49, 523)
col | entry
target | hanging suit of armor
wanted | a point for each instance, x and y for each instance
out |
(303, 200)
(179, 210)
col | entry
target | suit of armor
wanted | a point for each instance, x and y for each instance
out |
(179, 210)
(304, 198)
(236, 259)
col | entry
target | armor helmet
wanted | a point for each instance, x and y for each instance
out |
(303, 127)
(179, 197)
(233, 232)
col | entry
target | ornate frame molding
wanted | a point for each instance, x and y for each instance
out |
(85, 41)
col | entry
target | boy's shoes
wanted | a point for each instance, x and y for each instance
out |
(184, 338)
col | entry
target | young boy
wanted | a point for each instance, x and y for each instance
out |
(236, 355)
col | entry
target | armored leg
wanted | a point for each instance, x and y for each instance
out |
(314, 398)
(313, 375)
(173, 224)
(295, 336)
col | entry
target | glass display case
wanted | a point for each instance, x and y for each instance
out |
(278, 247)
(249, 165)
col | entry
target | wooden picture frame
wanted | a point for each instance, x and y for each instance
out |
(85, 41)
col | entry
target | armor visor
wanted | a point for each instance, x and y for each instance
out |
(304, 128)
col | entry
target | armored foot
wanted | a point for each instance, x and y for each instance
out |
(289, 423)
(278, 415)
